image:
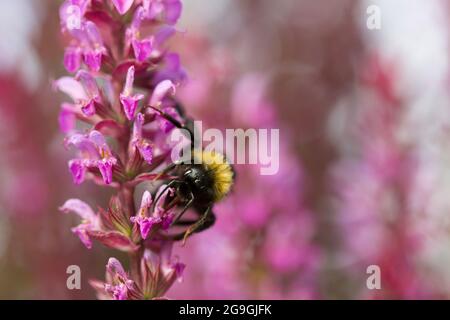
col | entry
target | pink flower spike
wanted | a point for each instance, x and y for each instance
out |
(163, 89)
(116, 54)
(122, 6)
(128, 100)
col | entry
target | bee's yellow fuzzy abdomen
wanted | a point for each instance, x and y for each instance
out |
(220, 170)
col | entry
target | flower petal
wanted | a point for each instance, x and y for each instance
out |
(130, 104)
(145, 224)
(89, 83)
(89, 108)
(78, 171)
(72, 59)
(146, 201)
(161, 91)
(114, 267)
(66, 119)
(81, 232)
(71, 87)
(79, 207)
(142, 49)
(122, 6)
(129, 101)
(105, 166)
(93, 59)
(146, 152)
(172, 11)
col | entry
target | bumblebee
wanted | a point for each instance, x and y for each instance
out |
(205, 180)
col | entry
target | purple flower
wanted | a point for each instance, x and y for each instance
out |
(137, 141)
(82, 89)
(165, 216)
(90, 220)
(94, 152)
(142, 48)
(87, 41)
(171, 69)
(159, 216)
(72, 59)
(163, 89)
(128, 100)
(67, 118)
(92, 227)
(90, 86)
(95, 50)
(118, 285)
(168, 11)
(142, 219)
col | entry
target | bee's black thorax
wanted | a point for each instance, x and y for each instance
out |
(198, 181)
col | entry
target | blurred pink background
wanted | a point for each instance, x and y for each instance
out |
(364, 160)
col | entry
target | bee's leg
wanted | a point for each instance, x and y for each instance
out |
(172, 120)
(177, 218)
(206, 221)
(169, 168)
(211, 219)
(169, 185)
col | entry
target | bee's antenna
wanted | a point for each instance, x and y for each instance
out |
(172, 120)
